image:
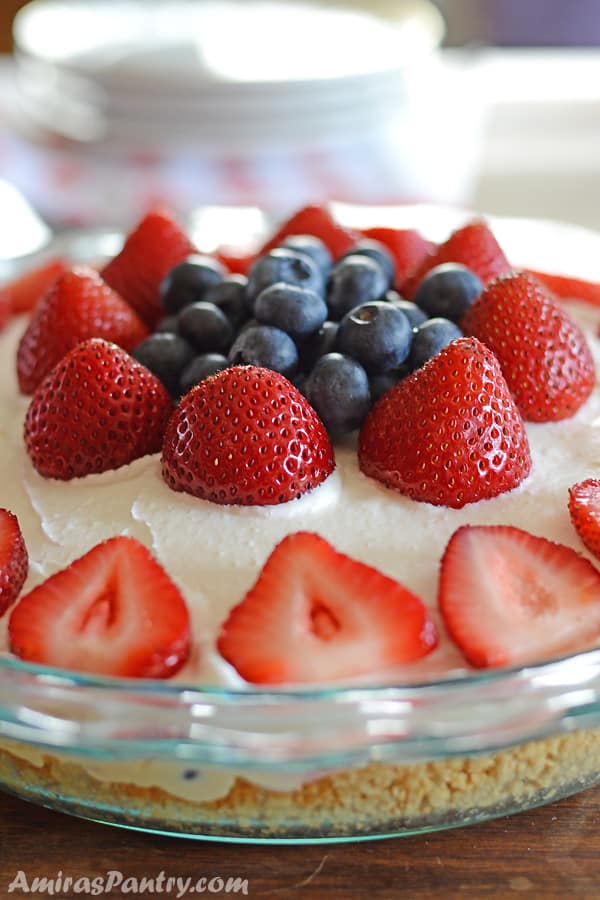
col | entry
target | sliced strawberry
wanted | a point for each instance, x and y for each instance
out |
(25, 292)
(114, 611)
(246, 436)
(584, 509)
(78, 306)
(315, 614)
(98, 409)
(510, 598)
(568, 288)
(149, 253)
(474, 246)
(408, 248)
(14, 562)
(543, 353)
(317, 221)
(450, 433)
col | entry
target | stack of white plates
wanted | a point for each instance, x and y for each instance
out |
(217, 73)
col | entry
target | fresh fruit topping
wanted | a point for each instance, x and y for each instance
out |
(230, 296)
(14, 562)
(200, 368)
(379, 384)
(98, 409)
(338, 389)
(236, 261)
(377, 335)
(408, 249)
(474, 246)
(378, 252)
(354, 280)
(448, 291)
(189, 281)
(415, 315)
(509, 598)
(206, 327)
(266, 347)
(246, 436)
(315, 614)
(166, 355)
(543, 353)
(79, 305)
(318, 222)
(313, 247)
(450, 433)
(317, 345)
(25, 292)
(584, 509)
(429, 338)
(148, 255)
(296, 310)
(287, 266)
(568, 288)
(114, 611)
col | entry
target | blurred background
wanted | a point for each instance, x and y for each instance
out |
(108, 106)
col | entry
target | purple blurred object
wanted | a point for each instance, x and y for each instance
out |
(542, 22)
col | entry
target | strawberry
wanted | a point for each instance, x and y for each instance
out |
(98, 409)
(509, 598)
(584, 509)
(246, 436)
(408, 248)
(78, 306)
(4, 310)
(474, 246)
(450, 433)
(543, 353)
(113, 611)
(568, 288)
(14, 562)
(315, 614)
(319, 222)
(25, 292)
(149, 253)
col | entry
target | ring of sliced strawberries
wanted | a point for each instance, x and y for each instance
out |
(314, 615)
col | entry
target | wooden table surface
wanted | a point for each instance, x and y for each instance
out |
(552, 852)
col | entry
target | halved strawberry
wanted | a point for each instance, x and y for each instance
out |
(450, 433)
(98, 409)
(543, 353)
(78, 306)
(114, 611)
(315, 614)
(246, 436)
(568, 288)
(584, 509)
(408, 248)
(473, 245)
(509, 598)
(317, 221)
(14, 562)
(25, 292)
(152, 249)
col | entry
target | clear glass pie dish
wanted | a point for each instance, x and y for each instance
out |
(308, 765)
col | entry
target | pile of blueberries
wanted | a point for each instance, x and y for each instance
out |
(339, 332)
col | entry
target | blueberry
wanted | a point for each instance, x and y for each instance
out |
(448, 291)
(313, 247)
(377, 335)
(263, 345)
(283, 265)
(297, 311)
(188, 282)
(379, 384)
(318, 344)
(377, 251)
(230, 296)
(200, 368)
(431, 337)
(415, 315)
(354, 281)
(338, 389)
(166, 355)
(206, 327)
(169, 324)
